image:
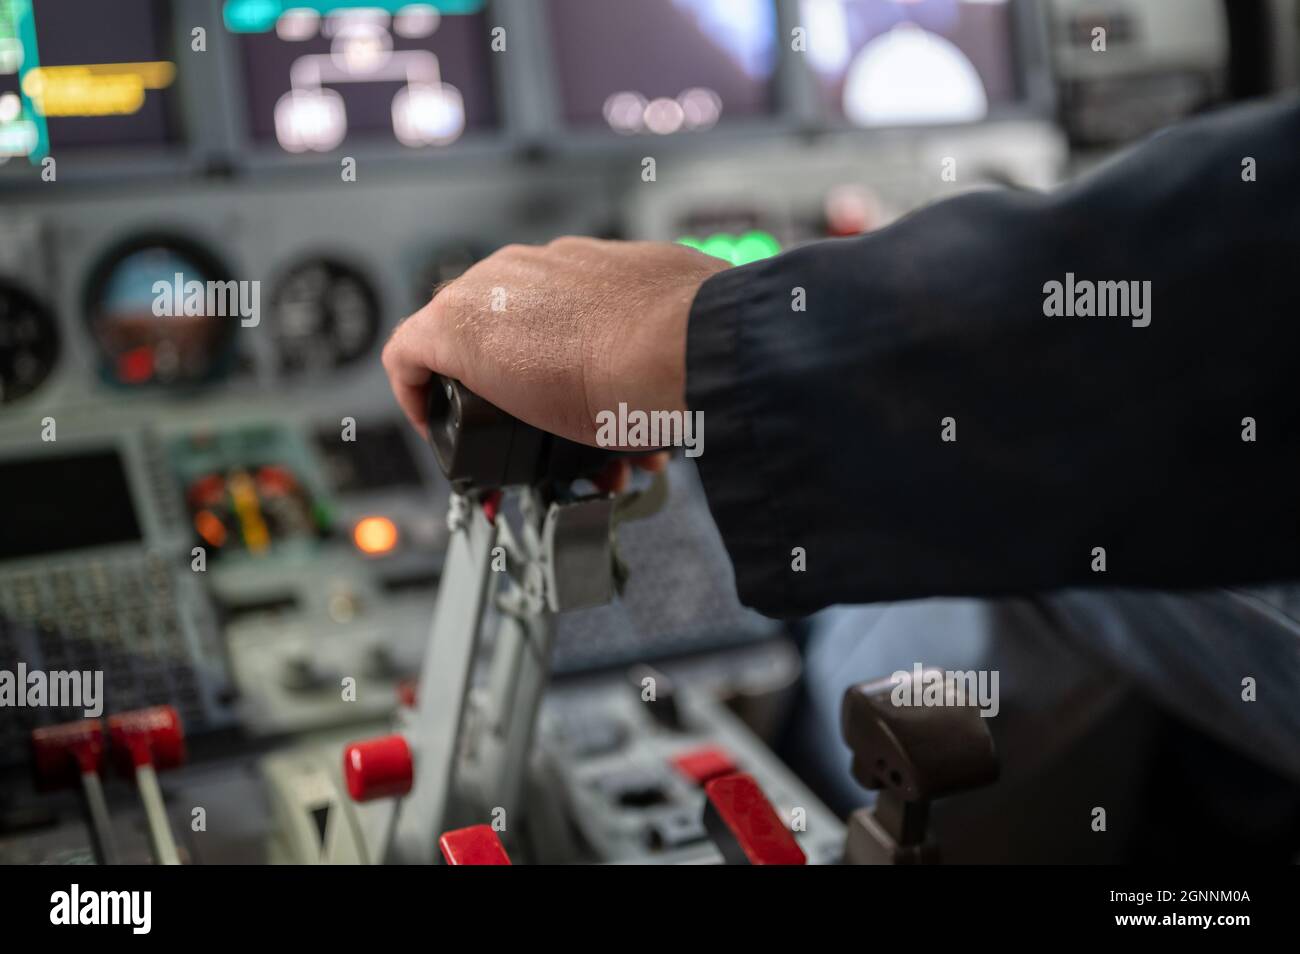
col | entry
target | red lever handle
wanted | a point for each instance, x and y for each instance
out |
(62, 752)
(378, 768)
(745, 826)
(151, 736)
(476, 845)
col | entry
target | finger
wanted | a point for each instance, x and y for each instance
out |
(410, 383)
(408, 372)
(414, 402)
(652, 463)
(615, 478)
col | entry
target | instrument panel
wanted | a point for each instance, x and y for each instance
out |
(241, 200)
(214, 212)
(229, 103)
(190, 86)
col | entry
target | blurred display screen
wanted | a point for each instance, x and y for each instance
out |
(663, 66)
(325, 73)
(905, 62)
(84, 73)
(65, 503)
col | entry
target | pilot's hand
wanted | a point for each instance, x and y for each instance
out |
(555, 334)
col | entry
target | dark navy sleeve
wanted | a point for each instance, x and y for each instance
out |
(824, 459)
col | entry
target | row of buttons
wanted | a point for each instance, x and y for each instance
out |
(120, 617)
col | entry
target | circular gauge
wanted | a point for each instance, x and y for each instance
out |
(29, 343)
(163, 311)
(324, 314)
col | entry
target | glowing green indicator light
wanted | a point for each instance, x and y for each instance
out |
(752, 246)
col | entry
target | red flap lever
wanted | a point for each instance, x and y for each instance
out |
(745, 826)
(702, 765)
(476, 845)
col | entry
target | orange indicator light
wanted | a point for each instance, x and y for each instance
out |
(375, 535)
(210, 528)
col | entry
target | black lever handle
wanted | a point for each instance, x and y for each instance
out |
(481, 447)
